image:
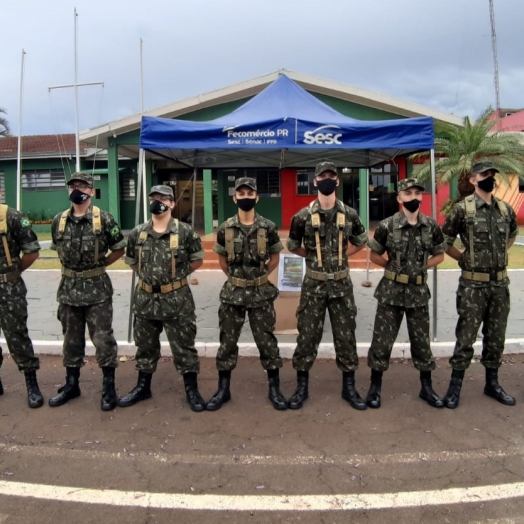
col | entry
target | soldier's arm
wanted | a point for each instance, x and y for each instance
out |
(513, 227)
(296, 234)
(130, 259)
(194, 248)
(115, 240)
(26, 238)
(275, 247)
(220, 249)
(358, 238)
(222, 261)
(377, 245)
(450, 229)
(439, 247)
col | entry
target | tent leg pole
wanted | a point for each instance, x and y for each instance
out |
(138, 192)
(434, 213)
(194, 197)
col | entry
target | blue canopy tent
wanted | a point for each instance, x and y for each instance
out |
(286, 126)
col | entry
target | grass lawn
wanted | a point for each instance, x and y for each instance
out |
(44, 236)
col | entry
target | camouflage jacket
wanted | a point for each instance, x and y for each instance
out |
(247, 263)
(152, 257)
(76, 250)
(20, 239)
(490, 229)
(414, 247)
(302, 232)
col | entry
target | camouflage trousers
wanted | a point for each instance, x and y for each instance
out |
(387, 323)
(262, 319)
(99, 319)
(13, 321)
(181, 333)
(311, 314)
(489, 306)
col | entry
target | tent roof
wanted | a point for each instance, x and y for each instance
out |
(284, 125)
(251, 87)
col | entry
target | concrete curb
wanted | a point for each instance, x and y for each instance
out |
(325, 350)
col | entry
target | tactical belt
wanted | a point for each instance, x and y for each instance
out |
(90, 273)
(9, 277)
(166, 288)
(320, 275)
(484, 277)
(241, 282)
(405, 279)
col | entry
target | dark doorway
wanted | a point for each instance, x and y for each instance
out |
(383, 192)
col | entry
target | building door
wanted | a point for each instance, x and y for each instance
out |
(383, 182)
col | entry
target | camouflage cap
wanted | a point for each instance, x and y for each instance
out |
(82, 177)
(246, 181)
(162, 190)
(325, 166)
(408, 183)
(482, 167)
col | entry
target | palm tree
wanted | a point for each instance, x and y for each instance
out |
(457, 148)
(4, 124)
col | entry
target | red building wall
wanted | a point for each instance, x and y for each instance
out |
(291, 202)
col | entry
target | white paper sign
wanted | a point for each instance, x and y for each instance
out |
(291, 271)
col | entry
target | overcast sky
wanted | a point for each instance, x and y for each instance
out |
(434, 52)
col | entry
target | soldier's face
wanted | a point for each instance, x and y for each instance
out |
(324, 176)
(482, 176)
(162, 198)
(82, 187)
(245, 192)
(410, 194)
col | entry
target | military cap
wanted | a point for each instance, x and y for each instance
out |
(162, 190)
(408, 183)
(246, 181)
(82, 177)
(325, 166)
(482, 167)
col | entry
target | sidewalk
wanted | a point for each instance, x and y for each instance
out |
(45, 329)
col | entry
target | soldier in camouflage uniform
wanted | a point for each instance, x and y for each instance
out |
(487, 228)
(82, 236)
(408, 238)
(164, 252)
(330, 232)
(248, 246)
(17, 237)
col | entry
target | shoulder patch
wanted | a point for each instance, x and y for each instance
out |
(25, 222)
(115, 231)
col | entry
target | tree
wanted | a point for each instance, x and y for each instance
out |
(457, 148)
(4, 124)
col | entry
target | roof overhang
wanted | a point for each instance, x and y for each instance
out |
(252, 87)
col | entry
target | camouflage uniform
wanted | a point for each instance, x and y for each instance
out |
(318, 295)
(13, 303)
(396, 298)
(486, 302)
(155, 310)
(256, 301)
(86, 300)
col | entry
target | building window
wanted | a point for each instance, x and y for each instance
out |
(305, 184)
(2, 188)
(44, 180)
(127, 186)
(268, 179)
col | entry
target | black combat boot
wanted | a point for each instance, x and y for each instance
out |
(69, 390)
(492, 388)
(426, 391)
(109, 398)
(194, 399)
(1, 387)
(34, 397)
(349, 393)
(373, 398)
(301, 393)
(142, 391)
(275, 395)
(223, 394)
(452, 398)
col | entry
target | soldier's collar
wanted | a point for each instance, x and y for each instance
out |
(339, 206)
(88, 214)
(235, 222)
(421, 219)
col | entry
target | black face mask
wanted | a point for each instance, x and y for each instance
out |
(487, 185)
(327, 186)
(412, 205)
(246, 204)
(157, 208)
(77, 197)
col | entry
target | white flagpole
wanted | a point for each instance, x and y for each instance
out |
(77, 133)
(434, 214)
(19, 153)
